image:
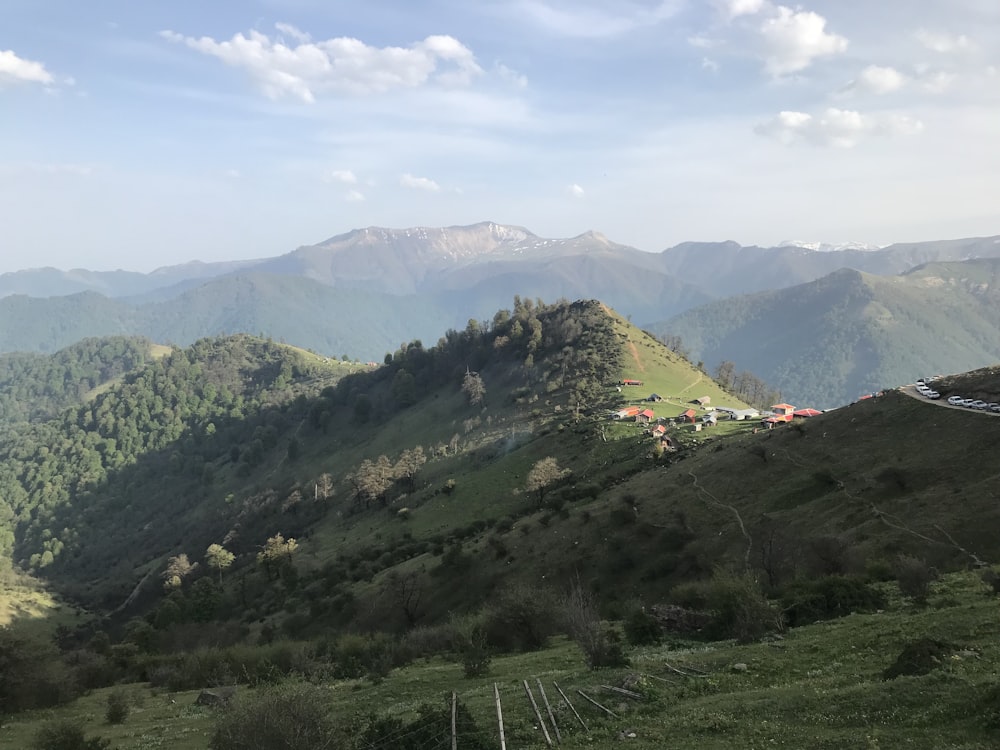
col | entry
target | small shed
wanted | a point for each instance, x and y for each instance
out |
(709, 420)
(658, 431)
(627, 413)
(702, 400)
(654, 398)
(645, 417)
(689, 416)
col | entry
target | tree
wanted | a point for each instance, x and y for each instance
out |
(178, 568)
(324, 487)
(543, 475)
(473, 388)
(409, 464)
(219, 558)
(373, 479)
(276, 553)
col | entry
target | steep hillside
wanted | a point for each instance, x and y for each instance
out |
(826, 342)
(242, 510)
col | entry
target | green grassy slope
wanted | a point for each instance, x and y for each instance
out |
(819, 687)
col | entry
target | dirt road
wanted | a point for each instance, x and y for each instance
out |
(912, 392)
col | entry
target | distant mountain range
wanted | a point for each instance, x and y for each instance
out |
(826, 342)
(364, 292)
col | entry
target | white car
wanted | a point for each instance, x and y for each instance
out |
(932, 395)
(955, 400)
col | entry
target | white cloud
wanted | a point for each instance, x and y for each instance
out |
(572, 20)
(576, 191)
(737, 8)
(293, 31)
(702, 42)
(233, 174)
(938, 41)
(345, 176)
(354, 196)
(794, 38)
(840, 128)
(876, 79)
(14, 69)
(419, 183)
(341, 65)
(511, 76)
(937, 82)
(709, 64)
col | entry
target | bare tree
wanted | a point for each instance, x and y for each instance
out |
(473, 388)
(543, 475)
(178, 568)
(409, 464)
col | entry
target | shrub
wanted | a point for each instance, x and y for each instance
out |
(520, 619)
(914, 577)
(290, 716)
(470, 644)
(642, 629)
(66, 735)
(738, 605)
(117, 707)
(829, 597)
(919, 657)
(601, 645)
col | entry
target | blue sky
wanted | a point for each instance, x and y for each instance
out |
(142, 134)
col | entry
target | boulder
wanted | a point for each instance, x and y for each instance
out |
(218, 696)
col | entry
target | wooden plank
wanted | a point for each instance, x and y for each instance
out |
(496, 693)
(571, 707)
(538, 714)
(552, 716)
(454, 729)
(606, 710)
(623, 691)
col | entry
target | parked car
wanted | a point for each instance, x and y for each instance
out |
(978, 404)
(955, 400)
(932, 395)
(967, 402)
(996, 409)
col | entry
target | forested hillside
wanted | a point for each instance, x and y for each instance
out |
(36, 386)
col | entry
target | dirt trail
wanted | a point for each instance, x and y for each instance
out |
(692, 385)
(634, 350)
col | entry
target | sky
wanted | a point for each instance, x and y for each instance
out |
(138, 135)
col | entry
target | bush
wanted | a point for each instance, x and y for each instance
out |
(520, 618)
(601, 646)
(291, 716)
(117, 707)
(470, 644)
(32, 673)
(829, 597)
(914, 577)
(66, 735)
(737, 603)
(642, 629)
